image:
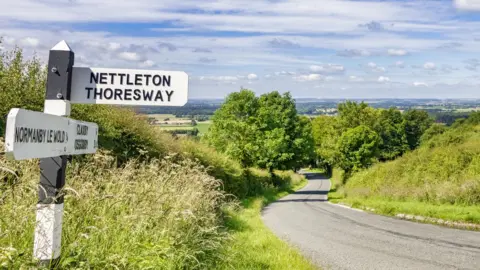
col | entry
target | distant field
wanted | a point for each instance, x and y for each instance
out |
(202, 127)
(174, 127)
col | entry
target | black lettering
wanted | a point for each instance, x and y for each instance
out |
(108, 93)
(112, 75)
(89, 89)
(127, 94)
(93, 77)
(50, 136)
(34, 135)
(136, 94)
(147, 95)
(128, 80)
(29, 134)
(138, 79)
(81, 144)
(82, 130)
(157, 80)
(166, 80)
(118, 94)
(18, 133)
(103, 78)
(121, 77)
(148, 78)
(159, 96)
(55, 136)
(169, 94)
(98, 93)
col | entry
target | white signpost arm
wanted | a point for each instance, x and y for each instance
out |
(48, 231)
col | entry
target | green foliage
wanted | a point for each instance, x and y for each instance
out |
(446, 169)
(397, 132)
(391, 127)
(326, 131)
(357, 148)
(417, 122)
(22, 84)
(431, 132)
(264, 132)
(233, 131)
(352, 114)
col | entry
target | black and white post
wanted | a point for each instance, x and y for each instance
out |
(48, 230)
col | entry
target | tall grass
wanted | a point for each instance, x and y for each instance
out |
(445, 169)
(144, 215)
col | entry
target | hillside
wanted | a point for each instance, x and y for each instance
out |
(440, 179)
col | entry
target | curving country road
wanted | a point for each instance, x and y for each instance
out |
(335, 237)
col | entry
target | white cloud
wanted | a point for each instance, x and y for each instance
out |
(397, 52)
(383, 79)
(252, 76)
(129, 56)
(429, 66)
(355, 79)
(219, 78)
(282, 73)
(113, 46)
(30, 42)
(416, 84)
(147, 63)
(400, 64)
(375, 68)
(327, 68)
(467, 4)
(309, 77)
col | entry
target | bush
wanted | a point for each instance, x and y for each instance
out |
(444, 170)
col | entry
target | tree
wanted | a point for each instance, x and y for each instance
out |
(233, 130)
(352, 114)
(416, 123)
(390, 126)
(326, 132)
(357, 148)
(264, 132)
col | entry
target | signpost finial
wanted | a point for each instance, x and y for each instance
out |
(61, 46)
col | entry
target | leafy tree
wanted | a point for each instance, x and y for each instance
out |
(357, 148)
(390, 126)
(233, 130)
(264, 132)
(416, 123)
(352, 114)
(326, 132)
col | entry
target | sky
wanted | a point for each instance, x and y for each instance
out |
(311, 48)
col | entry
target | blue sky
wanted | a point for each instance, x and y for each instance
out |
(312, 48)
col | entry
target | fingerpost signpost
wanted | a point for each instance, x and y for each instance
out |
(51, 136)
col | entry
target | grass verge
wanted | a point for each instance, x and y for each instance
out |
(253, 245)
(392, 207)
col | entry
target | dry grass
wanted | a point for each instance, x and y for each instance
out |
(157, 215)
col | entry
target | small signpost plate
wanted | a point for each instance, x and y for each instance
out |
(129, 87)
(31, 134)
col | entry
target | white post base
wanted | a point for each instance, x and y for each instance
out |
(48, 232)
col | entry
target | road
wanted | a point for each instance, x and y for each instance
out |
(335, 237)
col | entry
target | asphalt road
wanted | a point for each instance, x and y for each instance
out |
(335, 237)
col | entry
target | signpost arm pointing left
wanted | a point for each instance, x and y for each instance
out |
(48, 230)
